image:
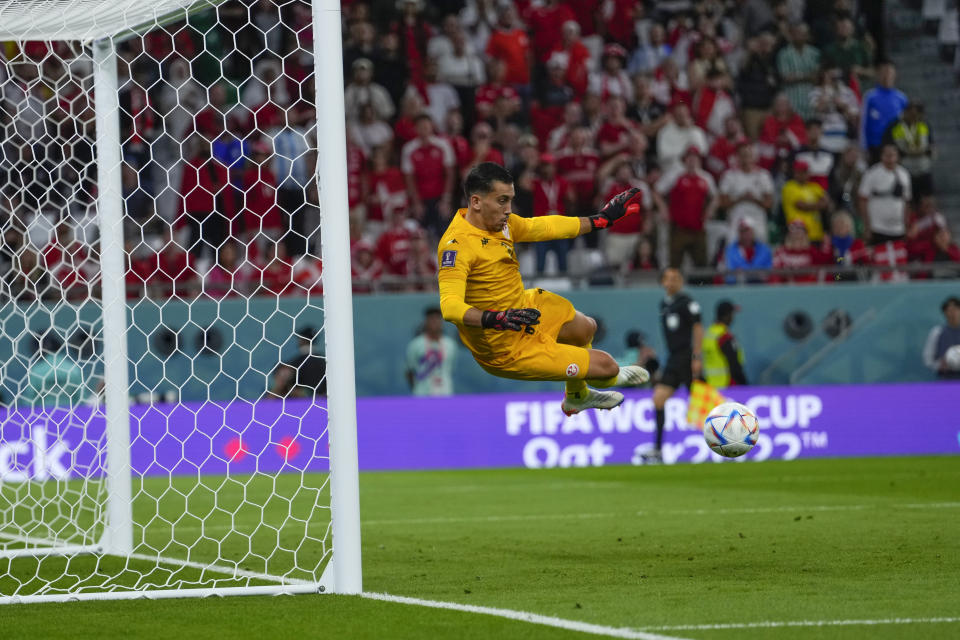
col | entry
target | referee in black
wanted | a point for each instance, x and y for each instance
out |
(683, 333)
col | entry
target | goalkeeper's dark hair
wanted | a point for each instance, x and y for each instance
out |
(481, 178)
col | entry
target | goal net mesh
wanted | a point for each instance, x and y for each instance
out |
(228, 443)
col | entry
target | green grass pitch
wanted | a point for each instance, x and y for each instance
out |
(666, 550)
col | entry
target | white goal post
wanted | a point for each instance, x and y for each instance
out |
(175, 431)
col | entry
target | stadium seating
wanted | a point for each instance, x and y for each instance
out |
(493, 85)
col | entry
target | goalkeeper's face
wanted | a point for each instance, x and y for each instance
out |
(493, 208)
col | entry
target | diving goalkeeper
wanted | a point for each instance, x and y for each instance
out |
(523, 334)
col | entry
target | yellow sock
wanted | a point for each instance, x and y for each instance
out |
(575, 388)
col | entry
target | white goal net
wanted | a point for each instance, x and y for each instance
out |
(165, 358)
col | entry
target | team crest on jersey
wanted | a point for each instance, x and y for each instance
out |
(572, 370)
(448, 259)
(484, 241)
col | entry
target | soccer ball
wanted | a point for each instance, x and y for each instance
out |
(952, 358)
(731, 429)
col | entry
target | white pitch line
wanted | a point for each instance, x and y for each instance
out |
(682, 512)
(53, 546)
(234, 572)
(518, 518)
(729, 510)
(593, 516)
(525, 616)
(932, 505)
(550, 486)
(800, 623)
(38, 542)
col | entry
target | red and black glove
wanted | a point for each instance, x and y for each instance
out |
(623, 204)
(511, 319)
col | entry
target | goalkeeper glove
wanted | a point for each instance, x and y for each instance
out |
(623, 204)
(512, 319)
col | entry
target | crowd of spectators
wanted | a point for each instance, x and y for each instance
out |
(765, 134)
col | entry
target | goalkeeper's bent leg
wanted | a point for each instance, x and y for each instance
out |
(629, 376)
(576, 389)
(602, 365)
(604, 372)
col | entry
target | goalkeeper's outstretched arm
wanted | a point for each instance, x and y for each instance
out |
(557, 227)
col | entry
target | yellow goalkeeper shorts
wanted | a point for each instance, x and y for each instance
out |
(538, 356)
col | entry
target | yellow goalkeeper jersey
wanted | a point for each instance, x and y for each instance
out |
(479, 269)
